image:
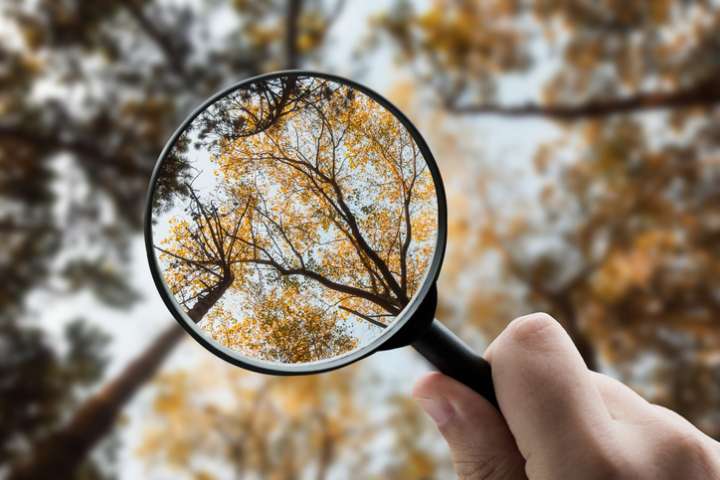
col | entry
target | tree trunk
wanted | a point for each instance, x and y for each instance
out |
(206, 302)
(59, 454)
(327, 449)
(62, 452)
(291, 33)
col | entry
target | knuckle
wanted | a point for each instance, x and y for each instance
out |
(684, 451)
(608, 468)
(488, 467)
(601, 463)
(600, 455)
(586, 460)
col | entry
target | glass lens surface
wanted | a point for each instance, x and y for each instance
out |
(293, 220)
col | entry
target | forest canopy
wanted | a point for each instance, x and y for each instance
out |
(610, 108)
(299, 223)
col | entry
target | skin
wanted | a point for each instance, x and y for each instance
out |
(558, 419)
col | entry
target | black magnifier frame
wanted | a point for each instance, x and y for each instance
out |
(415, 325)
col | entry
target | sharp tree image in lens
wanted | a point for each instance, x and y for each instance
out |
(296, 223)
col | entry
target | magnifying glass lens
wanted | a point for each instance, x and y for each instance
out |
(294, 219)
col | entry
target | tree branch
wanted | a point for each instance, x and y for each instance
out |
(385, 303)
(341, 207)
(85, 150)
(705, 93)
(364, 317)
(191, 262)
(173, 55)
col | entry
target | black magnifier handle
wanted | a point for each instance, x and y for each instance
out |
(454, 358)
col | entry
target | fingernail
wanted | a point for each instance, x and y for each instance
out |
(438, 408)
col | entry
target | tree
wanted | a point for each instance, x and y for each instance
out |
(123, 74)
(301, 427)
(205, 260)
(251, 110)
(201, 262)
(625, 217)
(328, 212)
(466, 49)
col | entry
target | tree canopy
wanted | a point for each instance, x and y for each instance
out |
(317, 214)
(619, 242)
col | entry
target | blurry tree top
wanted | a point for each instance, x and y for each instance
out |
(604, 57)
(316, 426)
(622, 242)
(89, 93)
(105, 84)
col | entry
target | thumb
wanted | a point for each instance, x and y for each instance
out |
(548, 397)
(481, 444)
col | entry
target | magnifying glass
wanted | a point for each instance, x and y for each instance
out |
(296, 223)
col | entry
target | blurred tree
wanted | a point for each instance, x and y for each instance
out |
(616, 58)
(301, 427)
(59, 383)
(89, 91)
(622, 242)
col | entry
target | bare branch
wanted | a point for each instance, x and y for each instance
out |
(705, 93)
(191, 262)
(363, 316)
(174, 56)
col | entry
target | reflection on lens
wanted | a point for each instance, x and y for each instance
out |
(294, 219)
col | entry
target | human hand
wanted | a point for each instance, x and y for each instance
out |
(560, 420)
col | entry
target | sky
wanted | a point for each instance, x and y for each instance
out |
(509, 141)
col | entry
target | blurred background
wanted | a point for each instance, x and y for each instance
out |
(580, 146)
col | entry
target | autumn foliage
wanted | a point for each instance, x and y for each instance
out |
(579, 146)
(314, 229)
